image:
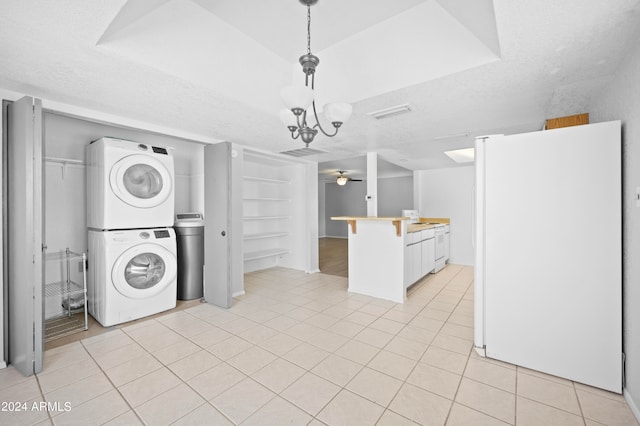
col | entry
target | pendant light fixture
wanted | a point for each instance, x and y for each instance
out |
(298, 99)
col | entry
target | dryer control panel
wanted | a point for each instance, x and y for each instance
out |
(159, 150)
(164, 233)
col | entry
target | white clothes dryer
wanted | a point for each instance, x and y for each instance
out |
(132, 274)
(129, 185)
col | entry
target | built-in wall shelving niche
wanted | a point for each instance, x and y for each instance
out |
(261, 235)
(262, 254)
(266, 180)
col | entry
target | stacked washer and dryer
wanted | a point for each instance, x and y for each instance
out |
(132, 247)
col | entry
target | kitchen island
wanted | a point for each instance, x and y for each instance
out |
(380, 262)
(376, 256)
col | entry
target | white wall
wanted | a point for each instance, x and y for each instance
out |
(347, 200)
(322, 226)
(621, 101)
(395, 195)
(449, 193)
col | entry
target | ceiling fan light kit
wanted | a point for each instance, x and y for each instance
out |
(298, 99)
(342, 179)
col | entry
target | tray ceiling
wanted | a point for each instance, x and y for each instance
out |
(215, 68)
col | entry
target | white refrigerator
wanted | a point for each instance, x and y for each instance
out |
(548, 238)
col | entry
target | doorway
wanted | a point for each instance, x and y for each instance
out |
(334, 256)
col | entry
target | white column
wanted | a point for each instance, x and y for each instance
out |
(372, 184)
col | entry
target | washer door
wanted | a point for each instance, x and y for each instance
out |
(143, 271)
(140, 181)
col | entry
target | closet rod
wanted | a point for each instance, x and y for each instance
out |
(62, 160)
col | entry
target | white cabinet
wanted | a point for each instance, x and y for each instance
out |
(419, 255)
(428, 253)
(416, 260)
(447, 247)
(412, 258)
(408, 263)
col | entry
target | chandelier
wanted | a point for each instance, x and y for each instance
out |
(298, 99)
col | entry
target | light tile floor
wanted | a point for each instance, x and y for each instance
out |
(298, 349)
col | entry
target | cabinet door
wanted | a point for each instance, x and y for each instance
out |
(446, 246)
(408, 265)
(430, 257)
(223, 223)
(416, 262)
(424, 260)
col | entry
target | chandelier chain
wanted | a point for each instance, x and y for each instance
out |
(308, 28)
(298, 99)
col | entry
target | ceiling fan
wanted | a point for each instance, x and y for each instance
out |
(342, 179)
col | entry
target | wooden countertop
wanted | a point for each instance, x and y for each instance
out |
(443, 220)
(425, 222)
(415, 227)
(352, 220)
(368, 218)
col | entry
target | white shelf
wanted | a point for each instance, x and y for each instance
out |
(265, 180)
(266, 199)
(264, 235)
(265, 217)
(261, 254)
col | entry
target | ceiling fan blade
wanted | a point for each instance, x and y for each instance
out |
(355, 180)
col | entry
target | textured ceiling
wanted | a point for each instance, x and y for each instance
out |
(214, 68)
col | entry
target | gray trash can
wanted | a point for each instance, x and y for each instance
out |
(189, 229)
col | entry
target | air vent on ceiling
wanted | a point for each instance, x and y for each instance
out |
(303, 152)
(390, 112)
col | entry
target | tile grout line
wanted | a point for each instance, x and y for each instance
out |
(206, 401)
(343, 387)
(43, 397)
(112, 384)
(575, 391)
(515, 408)
(248, 376)
(413, 369)
(462, 376)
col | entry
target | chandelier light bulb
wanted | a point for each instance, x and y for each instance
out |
(338, 112)
(297, 97)
(288, 118)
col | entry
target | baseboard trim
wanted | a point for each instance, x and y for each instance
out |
(336, 236)
(239, 293)
(3, 365)
(315, 271)
(632, 404)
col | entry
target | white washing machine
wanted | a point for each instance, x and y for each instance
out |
(129, 185)
(132, 274)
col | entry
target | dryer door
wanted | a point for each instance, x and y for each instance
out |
(143, 271)
(141, 181)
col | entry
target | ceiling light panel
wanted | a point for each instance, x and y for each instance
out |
(390, 112)
(466, 155)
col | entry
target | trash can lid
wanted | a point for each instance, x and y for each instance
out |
(188, 220)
